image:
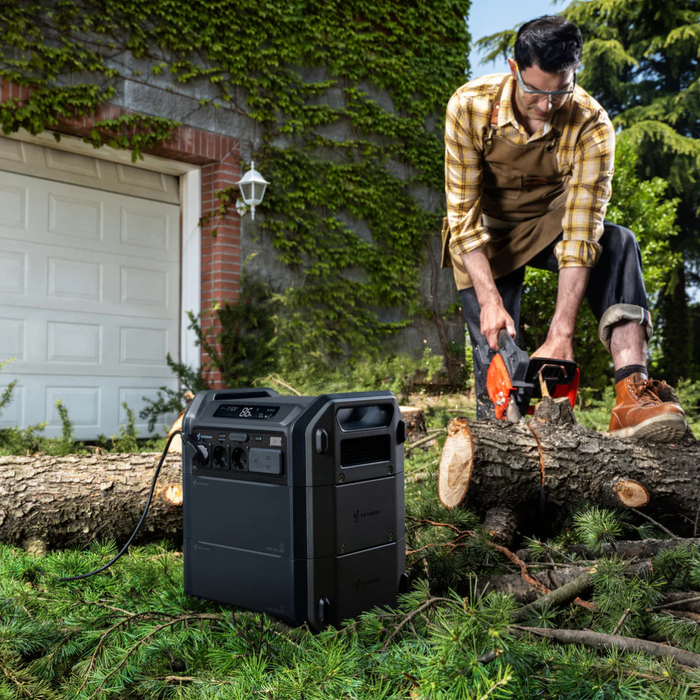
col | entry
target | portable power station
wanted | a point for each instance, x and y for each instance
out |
(294, 506)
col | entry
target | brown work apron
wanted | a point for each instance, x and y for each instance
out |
(523, 198)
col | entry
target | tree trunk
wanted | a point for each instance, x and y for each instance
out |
(516, 466)
(54, 502)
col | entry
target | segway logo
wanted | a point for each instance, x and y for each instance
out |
(366, 514)
(360, 584)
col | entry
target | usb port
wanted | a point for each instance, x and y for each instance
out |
(222, 437)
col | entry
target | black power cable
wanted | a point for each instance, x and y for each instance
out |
(185, 438)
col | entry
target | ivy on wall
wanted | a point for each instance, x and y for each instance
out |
(349, 96)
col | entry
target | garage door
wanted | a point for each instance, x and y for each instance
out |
(89, 287)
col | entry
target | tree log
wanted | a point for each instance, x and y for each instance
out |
(55, 502)
(486, 464)
(554, 578)
(625, 549)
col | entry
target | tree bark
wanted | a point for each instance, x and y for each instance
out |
(55, 502)
(486, 464)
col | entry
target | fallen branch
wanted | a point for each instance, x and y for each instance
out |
(554, 579)
(420, 442)
(675, 603)
(561, 595)
(599, 640)
(683, 614)
(621, 621)
(655, 523)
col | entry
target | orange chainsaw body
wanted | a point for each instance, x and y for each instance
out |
(513, 379)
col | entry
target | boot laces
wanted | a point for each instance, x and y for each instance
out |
(646, 391)
(664, 391)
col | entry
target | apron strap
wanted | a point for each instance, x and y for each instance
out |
(496, 108)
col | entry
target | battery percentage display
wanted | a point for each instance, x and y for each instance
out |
(230, 410)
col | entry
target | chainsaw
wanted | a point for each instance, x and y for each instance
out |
(514, 378)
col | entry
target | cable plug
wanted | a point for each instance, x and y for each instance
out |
(201, 451)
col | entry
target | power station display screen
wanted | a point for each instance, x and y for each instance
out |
(229, 410)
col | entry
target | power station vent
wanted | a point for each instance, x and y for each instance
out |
(365, 450)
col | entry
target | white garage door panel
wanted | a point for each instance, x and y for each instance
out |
(50, 277)
(89, 291)
(103, 344)
(52, 164)
(91, 406)
(58, 214)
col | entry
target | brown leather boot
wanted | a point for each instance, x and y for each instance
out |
(640, 413)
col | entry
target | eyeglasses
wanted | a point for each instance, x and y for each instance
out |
(553, 95)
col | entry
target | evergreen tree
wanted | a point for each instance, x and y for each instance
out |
(640, 61)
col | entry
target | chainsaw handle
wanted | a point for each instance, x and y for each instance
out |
(505, 342)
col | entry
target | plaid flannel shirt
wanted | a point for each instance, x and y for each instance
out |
(586, 152)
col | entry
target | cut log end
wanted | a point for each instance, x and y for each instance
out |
(631, 493)
(456, 464)
(555, 411)
(172, 493)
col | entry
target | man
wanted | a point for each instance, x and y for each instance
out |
(529, 162)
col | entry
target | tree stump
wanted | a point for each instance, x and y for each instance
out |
(415, 423)
(486, 464)
(55, 502)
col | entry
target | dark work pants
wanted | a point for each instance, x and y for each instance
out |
(615, 280)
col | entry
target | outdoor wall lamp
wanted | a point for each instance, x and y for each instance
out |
(252, 186)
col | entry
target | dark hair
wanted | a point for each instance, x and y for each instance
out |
(551, 42)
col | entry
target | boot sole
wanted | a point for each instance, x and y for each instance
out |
(666, 428)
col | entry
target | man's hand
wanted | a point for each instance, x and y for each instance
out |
(493, 316)
(493, 319)
(572, 287)
(556, 349)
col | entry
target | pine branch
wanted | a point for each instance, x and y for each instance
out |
(152, 633)
(22, 688)
(131, 617)
(497, 685)
(409, 616)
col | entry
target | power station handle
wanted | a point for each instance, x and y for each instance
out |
(321, 441)
(401, 432)
(364, 417)
(323, 611)
(232, 394)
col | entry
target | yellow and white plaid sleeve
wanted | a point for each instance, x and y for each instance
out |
(589, 193)
(463, 178)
